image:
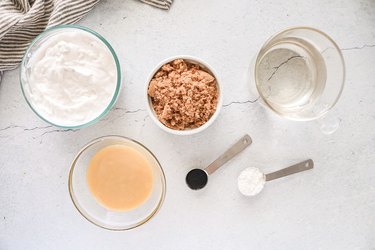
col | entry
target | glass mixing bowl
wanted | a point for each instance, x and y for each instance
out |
(26, 68)
(99, 215)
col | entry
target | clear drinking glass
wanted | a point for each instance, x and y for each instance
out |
(299, 73)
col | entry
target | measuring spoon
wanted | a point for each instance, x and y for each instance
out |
(251, 180)
(197, 178)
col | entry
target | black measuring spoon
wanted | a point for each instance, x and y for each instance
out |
(197, 178)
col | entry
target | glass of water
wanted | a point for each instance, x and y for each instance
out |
(299, 73)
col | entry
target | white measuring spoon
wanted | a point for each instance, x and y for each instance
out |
(251, 180)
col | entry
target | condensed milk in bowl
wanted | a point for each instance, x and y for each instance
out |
(116, 183)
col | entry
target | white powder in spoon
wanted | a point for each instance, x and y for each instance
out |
(251, 181)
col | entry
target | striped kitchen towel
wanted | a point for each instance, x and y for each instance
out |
(162, 4)
(22, 20)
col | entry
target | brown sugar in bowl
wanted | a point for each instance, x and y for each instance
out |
(183, 95)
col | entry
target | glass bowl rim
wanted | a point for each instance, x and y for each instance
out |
(115, 58)
(84, 213)
(337, 48)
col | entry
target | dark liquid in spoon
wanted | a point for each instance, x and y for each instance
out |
(196, 179)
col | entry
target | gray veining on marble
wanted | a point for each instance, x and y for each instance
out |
(331, 207)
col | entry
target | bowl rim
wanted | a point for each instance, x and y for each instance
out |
(151, 111)
(338, 50)
(84, 213)
(115, 58)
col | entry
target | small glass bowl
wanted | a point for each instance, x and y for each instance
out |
(203, 65)
(331, 62)
(97, 214)
(40, 40)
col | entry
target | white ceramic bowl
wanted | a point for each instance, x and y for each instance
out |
(206, 67)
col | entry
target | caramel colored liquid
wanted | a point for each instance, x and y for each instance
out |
(120, 177)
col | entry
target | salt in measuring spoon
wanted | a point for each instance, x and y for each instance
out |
(251, 180)
(197, 178)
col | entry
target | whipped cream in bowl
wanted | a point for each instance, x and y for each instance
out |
(70, 76)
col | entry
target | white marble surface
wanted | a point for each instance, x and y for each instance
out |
(331, 207)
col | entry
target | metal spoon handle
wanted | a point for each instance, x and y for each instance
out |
(229, 154)
(299, 167)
